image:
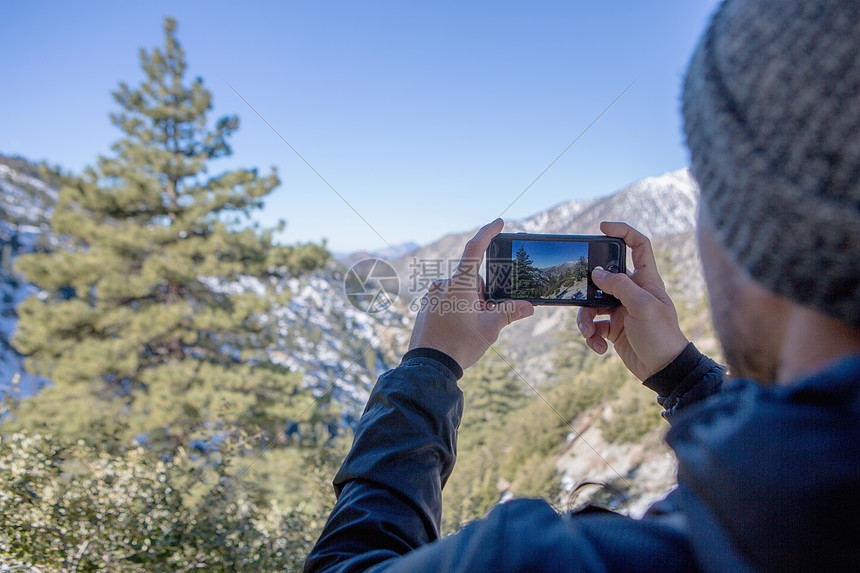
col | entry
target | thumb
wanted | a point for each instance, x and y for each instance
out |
(621, 286)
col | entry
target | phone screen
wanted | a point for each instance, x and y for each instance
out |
(552, 269)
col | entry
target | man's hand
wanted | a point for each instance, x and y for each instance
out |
(455, 317)
(644, 329)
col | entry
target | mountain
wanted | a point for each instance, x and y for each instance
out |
(27, 199)
(662, 207)
(558, 270)
(656, 206)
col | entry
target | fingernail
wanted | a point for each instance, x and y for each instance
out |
(581, 328)
(525, 311)
(600, 346)
(598, 273)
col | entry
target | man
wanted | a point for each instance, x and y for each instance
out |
(769, 462)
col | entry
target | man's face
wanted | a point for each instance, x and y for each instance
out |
(747, 317)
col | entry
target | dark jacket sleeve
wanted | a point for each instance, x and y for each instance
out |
(390, 485)
(690, 378)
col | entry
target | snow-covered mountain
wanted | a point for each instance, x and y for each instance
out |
(657, 206)
(26, 200)
(339, 349)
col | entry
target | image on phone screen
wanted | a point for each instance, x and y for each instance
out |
(551, 269)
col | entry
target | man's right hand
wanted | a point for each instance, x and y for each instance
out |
(644, 329)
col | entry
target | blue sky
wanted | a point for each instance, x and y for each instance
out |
(547, 254)
(426, 117)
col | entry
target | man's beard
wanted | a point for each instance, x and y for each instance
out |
(743, 347)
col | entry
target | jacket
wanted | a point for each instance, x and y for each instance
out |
(768, 479)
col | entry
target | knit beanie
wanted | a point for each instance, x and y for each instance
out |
(771, 111)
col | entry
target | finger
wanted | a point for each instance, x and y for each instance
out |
(512, 310)
(585, 320)
(640, 247)
(602, 333)
(603, 329)
(597, 343)
(622, 287)
(473, 253)
(586, 315)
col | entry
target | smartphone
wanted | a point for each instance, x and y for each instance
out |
(552, 269)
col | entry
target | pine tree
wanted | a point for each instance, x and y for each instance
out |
(493, 392)
(524, 272)
(141, 319)
(492, 389)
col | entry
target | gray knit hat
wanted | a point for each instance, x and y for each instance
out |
(772, 116)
